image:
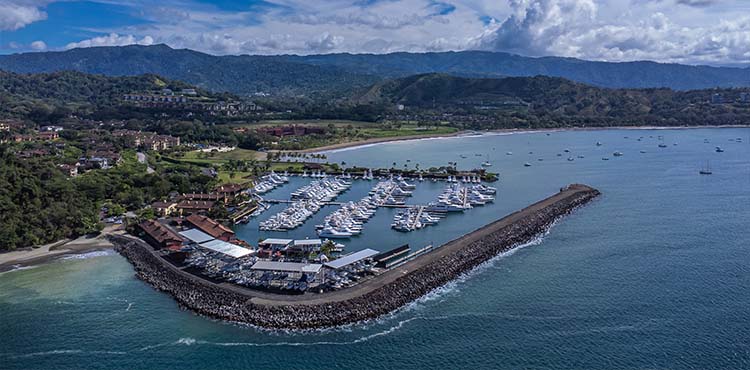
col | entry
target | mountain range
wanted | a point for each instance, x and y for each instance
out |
(334, 75)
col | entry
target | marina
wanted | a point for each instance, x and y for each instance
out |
(537, 288)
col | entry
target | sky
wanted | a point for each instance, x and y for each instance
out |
(714, 32)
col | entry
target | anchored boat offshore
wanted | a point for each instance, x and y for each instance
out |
(371, 299)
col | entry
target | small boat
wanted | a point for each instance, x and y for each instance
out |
(571, 159)
(706, 170)
(719, 149)
(509, 153)
(605, 158)
(662, 145)
(599, 143)
(527, 164)
(617, 154)
(540, 159)
(643, 151)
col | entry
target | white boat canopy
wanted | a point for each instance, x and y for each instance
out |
(274, 241)
(351, 258)
(308, 242)
(196, 236)
(229, 249)
(287, 267)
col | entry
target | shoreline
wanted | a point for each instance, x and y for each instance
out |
(31, 257)
(469, 133)
(371, 299)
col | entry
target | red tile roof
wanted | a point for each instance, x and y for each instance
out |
(211, 227)
(159, 232)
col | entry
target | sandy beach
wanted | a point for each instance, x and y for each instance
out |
(29, 256)
(383, 140)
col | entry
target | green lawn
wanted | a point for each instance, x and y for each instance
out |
(239, 177)
(406, 131)
(236, 154)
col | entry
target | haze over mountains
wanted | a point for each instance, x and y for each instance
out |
(340, 74)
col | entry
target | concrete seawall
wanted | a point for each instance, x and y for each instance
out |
(374, 298)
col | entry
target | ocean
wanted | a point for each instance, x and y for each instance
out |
(654, 274)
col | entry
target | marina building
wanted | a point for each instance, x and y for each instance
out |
(275, 244)
(352, 259)
(392, 257)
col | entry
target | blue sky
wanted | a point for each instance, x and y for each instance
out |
(686, 31)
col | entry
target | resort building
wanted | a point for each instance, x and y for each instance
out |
(211, 227)
(160, 236)
(189, 207)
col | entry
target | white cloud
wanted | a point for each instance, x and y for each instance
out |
(39, 45)
(689, 31)
(575, 28)
(17, 14)
(113, 39)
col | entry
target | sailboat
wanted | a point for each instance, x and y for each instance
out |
(487, 162)
(706, 170)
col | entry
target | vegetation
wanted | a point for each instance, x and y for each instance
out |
(39, 204)
(538, 102)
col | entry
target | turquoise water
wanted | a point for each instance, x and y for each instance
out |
(654, 274)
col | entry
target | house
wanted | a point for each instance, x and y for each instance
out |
(50, 128)
(194, 206)
(97, 162)
(160, 236)
(211, 227)
(69, 169)
(47, 135)
(230, 191)
(164, 209)
(214, 197)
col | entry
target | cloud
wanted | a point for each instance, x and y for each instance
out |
(113, 39)
(575, 28)
(698, 3)
(686, 31)
(325, 43)
(38, 45)
(17, 14)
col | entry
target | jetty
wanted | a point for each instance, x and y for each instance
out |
(373, 298)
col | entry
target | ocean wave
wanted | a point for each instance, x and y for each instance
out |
(87, 255)
(65, 352)
(19, 267)
(188, 341)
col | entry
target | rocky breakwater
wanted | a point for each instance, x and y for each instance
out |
(381, 295)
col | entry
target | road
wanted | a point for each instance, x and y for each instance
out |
(142, 159)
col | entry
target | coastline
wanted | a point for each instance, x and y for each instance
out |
(29, 257)
(376, 297)
(374, 141)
